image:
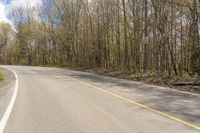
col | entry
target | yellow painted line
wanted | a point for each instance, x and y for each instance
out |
(138, 104)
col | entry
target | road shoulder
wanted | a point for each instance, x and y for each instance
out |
(6, 90)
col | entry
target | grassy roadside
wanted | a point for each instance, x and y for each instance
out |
(1, 75)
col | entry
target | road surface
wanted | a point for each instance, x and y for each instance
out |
(51, 100)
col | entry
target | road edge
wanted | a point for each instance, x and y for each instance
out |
(158, 87)
(10, 106)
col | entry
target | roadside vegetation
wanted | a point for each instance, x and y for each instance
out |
(153, 40)
(1, 75)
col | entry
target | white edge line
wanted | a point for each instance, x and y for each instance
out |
(8, 111)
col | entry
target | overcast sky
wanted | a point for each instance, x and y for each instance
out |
(7, 5)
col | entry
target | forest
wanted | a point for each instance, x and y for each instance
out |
(151, 37)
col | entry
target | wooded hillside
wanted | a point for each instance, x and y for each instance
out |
(140, 36)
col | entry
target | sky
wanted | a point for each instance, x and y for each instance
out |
(8, 5)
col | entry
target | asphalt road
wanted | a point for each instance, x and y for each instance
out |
(51, 100)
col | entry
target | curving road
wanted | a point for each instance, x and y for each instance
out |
(51, 100)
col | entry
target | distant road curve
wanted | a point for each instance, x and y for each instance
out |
(52, 100)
